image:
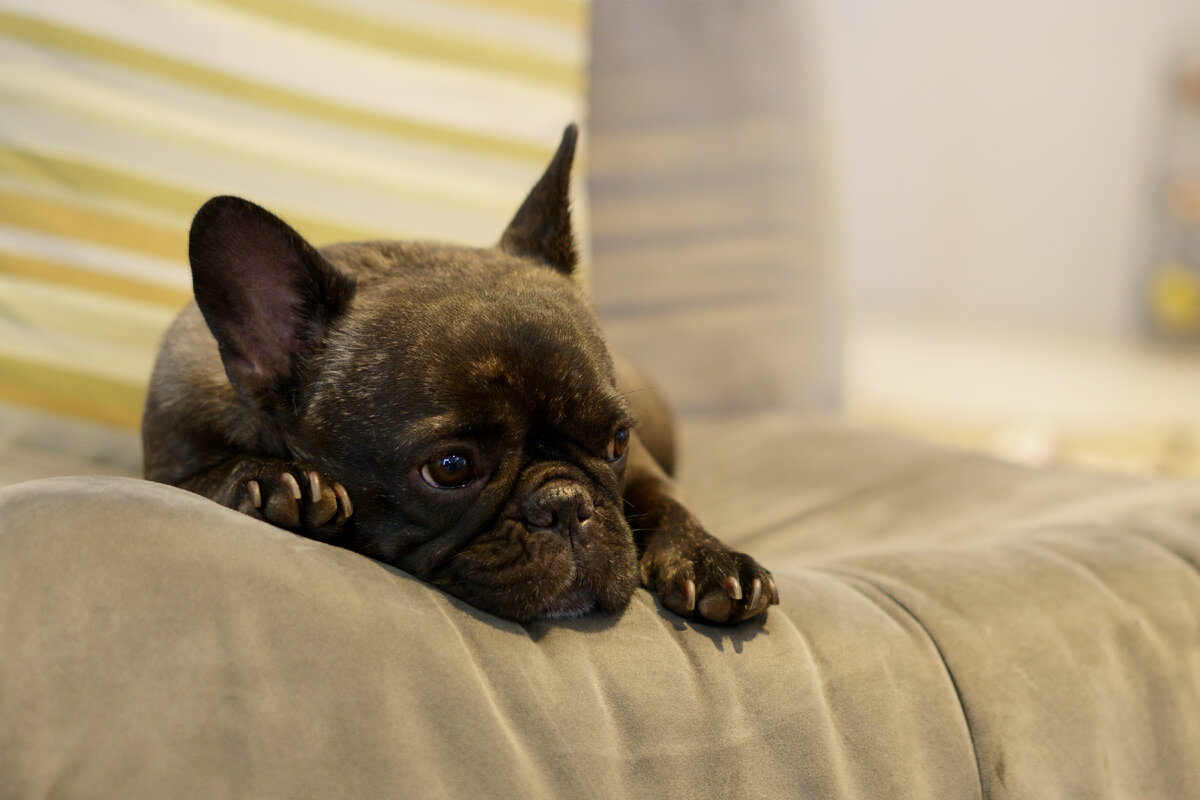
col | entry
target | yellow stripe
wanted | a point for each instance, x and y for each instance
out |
(130, 57)
(103, 400)
(391, 37)
(107, 182)
(59, 171)
(117, 286)
(60, 219)
(570, 13)
(76, 329)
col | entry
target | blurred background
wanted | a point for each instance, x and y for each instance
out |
(972, 222)
(1021, 186)
(1011, 194)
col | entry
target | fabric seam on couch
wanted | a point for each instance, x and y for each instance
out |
(856, 582)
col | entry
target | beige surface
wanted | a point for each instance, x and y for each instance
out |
(19, 464)
(1034, 395)
(950, 627)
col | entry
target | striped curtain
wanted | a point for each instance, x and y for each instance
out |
(351, 119)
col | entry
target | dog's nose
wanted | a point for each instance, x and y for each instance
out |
(559, 506)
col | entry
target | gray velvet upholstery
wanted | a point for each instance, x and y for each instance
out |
(950, 627)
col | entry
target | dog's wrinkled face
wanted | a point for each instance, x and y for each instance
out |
(490, 459)
(462, 396)
(449, 410)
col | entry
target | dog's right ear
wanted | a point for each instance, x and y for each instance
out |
(267, 295)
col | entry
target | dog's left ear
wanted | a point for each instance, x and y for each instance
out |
(541, 228)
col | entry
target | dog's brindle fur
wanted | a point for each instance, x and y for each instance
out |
(452, 411)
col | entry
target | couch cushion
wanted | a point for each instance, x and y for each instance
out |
(156, 645)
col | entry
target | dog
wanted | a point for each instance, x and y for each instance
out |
(451, 411)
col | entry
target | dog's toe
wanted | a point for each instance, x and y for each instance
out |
(321, 505)
(281, 505)
(716, 606)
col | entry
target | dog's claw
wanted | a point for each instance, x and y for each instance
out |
(689, 595)
(757, 602)
(344, 498)
(314, 485)
(255, 493)
(734, 587)
(289, 482)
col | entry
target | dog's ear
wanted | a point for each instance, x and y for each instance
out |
(267, 295)
(541, 228)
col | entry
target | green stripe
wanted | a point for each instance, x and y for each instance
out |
(130, 57)
(61, 391)
(392, 37)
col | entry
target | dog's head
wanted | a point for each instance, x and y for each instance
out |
(465, 397)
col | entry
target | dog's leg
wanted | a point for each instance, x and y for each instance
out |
(288, 494)
(692, 572)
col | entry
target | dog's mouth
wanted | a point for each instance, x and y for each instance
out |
(524, 572)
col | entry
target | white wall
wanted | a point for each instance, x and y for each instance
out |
(999, 158)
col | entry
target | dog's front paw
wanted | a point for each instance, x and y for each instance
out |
(697, 577)
(294, 496)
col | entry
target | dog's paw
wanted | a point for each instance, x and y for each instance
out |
(294, 496)
(697, 577)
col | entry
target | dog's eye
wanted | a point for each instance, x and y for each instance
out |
(448, 471)
(618, 444)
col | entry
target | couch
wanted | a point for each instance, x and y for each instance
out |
(950, 625)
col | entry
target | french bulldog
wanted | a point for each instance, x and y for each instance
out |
(452, 411)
